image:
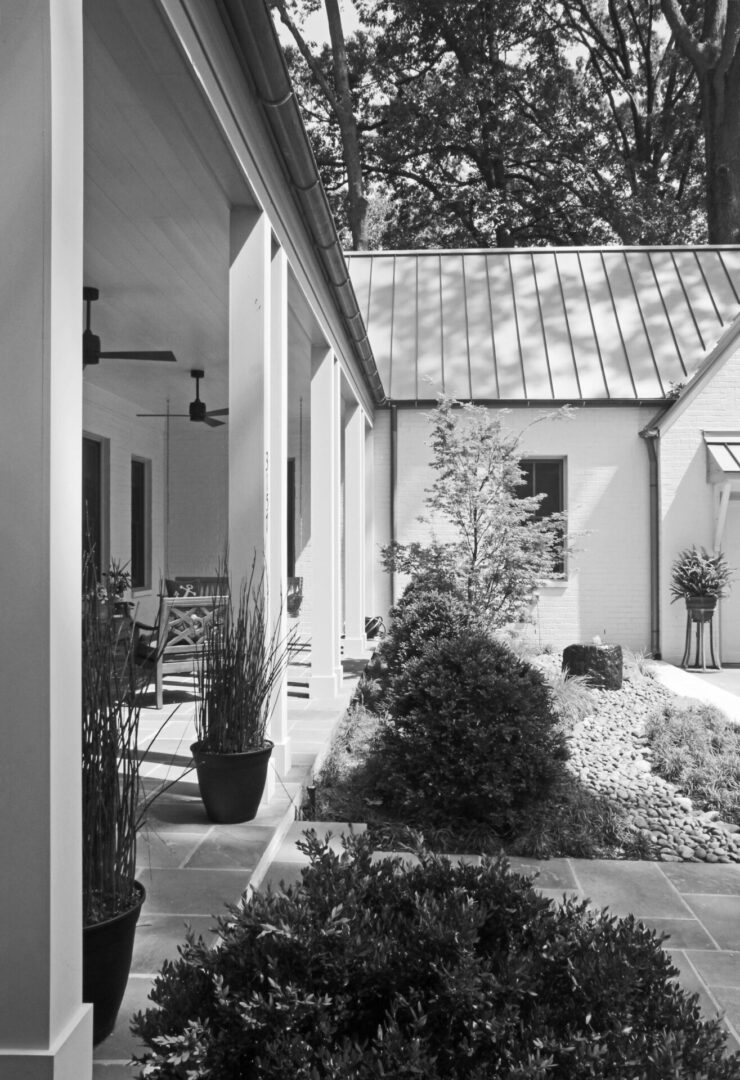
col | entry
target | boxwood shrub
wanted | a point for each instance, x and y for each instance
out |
(471, 735)
(429, 609)
(438, 972)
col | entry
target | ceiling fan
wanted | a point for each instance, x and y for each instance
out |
(198, 412)
(91, 353)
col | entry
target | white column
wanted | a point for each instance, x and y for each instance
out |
(278, 494)
(250, 325)
(45, 1030)
(325, 665)
(354, 533)
(371, 553)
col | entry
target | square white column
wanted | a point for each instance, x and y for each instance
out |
(45, 1030)
(325, 551)
(278, 494)
(250, 325)
(253, 518)
(354, 533)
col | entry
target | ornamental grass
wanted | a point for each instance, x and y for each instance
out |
(110, 763)
(240, 666)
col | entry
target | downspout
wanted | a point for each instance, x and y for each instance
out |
(651, 436)
(394, 474)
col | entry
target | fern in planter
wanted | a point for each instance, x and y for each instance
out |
(697, 573)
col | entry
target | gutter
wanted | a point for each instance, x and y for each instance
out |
(651, 435)
(256, 40)
(394, 474)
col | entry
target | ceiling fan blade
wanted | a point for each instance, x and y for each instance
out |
(218, 412)
(162, 354)
(165, 414)
(212, 423)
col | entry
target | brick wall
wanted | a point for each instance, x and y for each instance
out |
(688, 501)
(607, 591)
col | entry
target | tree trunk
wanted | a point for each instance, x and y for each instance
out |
(721, 116)
(357, 204)
(716, 60)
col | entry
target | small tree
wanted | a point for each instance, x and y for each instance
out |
(501, 551)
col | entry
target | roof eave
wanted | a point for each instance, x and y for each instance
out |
(258, 44)
(665, 420)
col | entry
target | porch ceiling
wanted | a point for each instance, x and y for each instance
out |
(159, 182)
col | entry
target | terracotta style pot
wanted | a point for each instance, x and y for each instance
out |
(231, 785)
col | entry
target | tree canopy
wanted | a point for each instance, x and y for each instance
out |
(499, 122)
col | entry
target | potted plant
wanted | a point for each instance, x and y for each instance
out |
(700, 578)
(112, 898)
(240, 665)
(118, 580)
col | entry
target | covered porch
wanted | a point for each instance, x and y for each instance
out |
(159, 158)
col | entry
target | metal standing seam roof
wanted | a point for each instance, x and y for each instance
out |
(544, 324)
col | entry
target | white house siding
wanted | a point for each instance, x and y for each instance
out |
(196, 517)
(607, 591)
(688, 501)
(114, 420)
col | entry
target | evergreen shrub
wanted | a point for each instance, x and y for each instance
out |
(428, 609)
(368, 970)
(470, 735)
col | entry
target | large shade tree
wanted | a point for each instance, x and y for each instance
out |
(708, 34)
(490, 122)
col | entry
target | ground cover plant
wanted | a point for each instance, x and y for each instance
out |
(447, 971)
(698, 750)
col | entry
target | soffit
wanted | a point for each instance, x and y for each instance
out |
(159, 183)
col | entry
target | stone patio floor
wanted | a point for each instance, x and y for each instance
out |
(192, 868)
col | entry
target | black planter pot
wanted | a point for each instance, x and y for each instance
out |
(701, 608)
(107, 948)
(231, 785)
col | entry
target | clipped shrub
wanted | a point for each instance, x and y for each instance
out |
(366, 970)
(428, 609)
(698, 749)
(470, 734)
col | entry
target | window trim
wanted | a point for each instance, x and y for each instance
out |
(104, 445)
(561, 577)
(137, 459)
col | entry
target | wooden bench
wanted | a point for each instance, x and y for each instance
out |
(174, 643)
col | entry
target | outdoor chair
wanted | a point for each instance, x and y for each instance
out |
(173, 644)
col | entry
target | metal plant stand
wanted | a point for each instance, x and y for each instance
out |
(702, 619)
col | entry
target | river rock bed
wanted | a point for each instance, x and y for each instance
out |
(610, 756)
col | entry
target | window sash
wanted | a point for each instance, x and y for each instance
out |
(140, 524)
(546, 476)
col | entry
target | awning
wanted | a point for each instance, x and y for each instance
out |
(723, 456)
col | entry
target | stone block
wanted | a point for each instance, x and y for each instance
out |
(602, 664)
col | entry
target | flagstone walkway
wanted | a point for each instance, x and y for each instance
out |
(191, 868)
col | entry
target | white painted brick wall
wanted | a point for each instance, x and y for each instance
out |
(608, 587)
(687, 499)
